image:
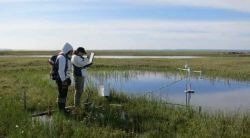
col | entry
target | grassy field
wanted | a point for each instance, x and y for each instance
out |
(237, 68)
(137, 117)
(213, 53)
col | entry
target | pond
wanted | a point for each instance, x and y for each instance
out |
(210, 93)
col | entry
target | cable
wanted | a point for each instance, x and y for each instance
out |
(164, 86)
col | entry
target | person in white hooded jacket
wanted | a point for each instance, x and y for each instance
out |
(80, 65)
(63, 80)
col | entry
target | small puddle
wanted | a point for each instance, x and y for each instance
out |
(44, 120)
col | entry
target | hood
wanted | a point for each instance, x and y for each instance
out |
(66, 48)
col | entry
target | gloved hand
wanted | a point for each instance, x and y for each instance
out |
(68, 81)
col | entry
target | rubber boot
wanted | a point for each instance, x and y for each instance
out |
(61, 107)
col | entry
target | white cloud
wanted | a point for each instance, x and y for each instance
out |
(239, 5)
(124, 34)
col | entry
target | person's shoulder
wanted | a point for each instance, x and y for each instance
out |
(60, 56)
(74, 57)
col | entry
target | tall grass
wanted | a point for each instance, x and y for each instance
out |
(225, 67)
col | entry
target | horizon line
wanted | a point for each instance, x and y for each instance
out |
(3, 49)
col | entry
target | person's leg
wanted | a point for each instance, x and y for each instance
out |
(61, 100)
(79, 85)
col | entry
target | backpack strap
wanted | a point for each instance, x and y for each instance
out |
(66, 65)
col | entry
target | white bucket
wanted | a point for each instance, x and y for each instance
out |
(103, 90)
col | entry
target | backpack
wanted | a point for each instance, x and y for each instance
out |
(55, 66)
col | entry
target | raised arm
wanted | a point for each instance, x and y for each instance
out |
(79, 62)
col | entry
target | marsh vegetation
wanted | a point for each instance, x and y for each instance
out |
(122, 116)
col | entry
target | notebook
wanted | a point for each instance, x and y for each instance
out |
(91, 57)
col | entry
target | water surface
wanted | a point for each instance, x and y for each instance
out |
(211, 93)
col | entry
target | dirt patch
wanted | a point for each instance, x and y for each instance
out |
(2, 132)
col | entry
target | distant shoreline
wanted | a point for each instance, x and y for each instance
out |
(207, 53)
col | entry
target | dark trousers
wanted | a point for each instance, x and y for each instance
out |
(62, 95)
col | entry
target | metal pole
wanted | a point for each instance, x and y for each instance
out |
(186, 87)
(189, 79)
(189, 98)
(186, 99)
(186, 80)
(200, 109)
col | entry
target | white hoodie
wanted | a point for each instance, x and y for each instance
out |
(62, 61)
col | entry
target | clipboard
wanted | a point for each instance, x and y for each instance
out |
(91, 58)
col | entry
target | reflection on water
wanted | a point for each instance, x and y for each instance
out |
(45, 121)
(209, 93)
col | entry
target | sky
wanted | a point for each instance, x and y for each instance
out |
(125, 24)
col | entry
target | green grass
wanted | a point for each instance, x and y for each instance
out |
(237, 68)
(28, 52)
(210, 53)
(143, 117)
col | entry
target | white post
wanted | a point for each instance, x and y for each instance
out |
(104, 90)
(101, 90)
